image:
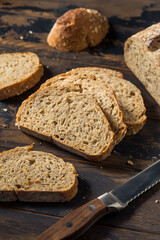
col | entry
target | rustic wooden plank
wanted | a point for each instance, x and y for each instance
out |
(110, 233)
(21, 225)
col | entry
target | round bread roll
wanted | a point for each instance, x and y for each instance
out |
(78, 29)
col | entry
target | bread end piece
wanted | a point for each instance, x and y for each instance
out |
(142, 54)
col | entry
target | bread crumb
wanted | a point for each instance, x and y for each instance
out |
(5, 109)
(157, 201)
(28, 182)
(130, 162)
(21, 37)
(37, 181)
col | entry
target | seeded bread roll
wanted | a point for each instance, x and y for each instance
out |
(98, 91)
(35, 176)
(142, 56)
(127, 94)
(18, 73)
(78, 29)
(71, 120)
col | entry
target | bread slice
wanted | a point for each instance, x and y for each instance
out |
(78, 29)
(18, 73)
(69, 119)
(101, 93)
(35, 176)
(142, 56)
(127, 94)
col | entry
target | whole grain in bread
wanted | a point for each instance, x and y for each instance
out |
(35, 176)
(78, 29)
(98, 91)
(18, 73)
(71, 120)
(142, 56)
(127, 94)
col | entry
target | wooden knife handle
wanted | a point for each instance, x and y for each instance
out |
(75, 223)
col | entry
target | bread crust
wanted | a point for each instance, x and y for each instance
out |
(96, 158)
(78, 29)
(39, 196)
(149, 35)
(23, 85)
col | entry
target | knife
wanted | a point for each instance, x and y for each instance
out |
(79, 220)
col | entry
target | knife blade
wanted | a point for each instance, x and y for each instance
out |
(78, 221)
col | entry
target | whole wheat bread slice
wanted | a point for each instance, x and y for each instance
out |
(69, 119)
(18, 73)
(35, 176)
(101, 93)
(142, 56)
(127, 94)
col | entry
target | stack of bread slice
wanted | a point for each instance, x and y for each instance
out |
(86, 111)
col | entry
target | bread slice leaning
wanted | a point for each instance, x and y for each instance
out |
(18, 73)
(103, 95)
(127, 94)
(142, 56)
(69, 119)
(35, 176)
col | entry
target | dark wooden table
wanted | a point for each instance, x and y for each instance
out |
(24, 26)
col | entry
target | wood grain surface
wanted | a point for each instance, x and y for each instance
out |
(24, 26)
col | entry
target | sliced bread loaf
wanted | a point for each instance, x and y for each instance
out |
(35, 176)
(128, 95)
(142, 56)
(101, 93)
(18, 73)
(69, 119)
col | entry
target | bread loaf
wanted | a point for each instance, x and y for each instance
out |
(18, 73)
(69, 119)
(35, 176)
(142, 56)
(98, 91)
(128, 95)
(78, 29)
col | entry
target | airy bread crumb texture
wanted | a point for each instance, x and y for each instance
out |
(70, 118)
(127, 94)
(22, 169)
(103, 95)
